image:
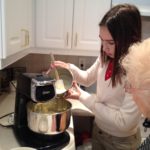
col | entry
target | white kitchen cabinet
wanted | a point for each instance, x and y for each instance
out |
(142, 5)
(54, 23)
(87, 15)
(15, 20)
(69, 24)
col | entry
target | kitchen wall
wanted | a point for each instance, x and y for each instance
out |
(40, 62)
(145, 27)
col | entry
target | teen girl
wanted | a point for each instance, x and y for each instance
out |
(116, 114)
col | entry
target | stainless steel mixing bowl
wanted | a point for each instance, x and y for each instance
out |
(52, 117)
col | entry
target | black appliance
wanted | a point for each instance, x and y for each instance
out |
(5, 78)
(32, 86)
(146, 143)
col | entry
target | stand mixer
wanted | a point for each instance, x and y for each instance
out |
(33, 127)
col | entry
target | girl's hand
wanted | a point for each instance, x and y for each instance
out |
(74, 92)
(56, 64)
(60, 64)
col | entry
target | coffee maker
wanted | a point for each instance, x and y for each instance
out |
(38, 88)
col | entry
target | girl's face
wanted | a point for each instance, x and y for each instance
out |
(107, 42)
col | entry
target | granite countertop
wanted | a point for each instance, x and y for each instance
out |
(7, 103)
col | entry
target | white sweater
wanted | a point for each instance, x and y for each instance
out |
(115, 111)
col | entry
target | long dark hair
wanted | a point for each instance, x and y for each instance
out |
(124, 24)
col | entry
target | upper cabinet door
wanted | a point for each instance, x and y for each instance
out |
(87, 15)
(54, 23)
(16, 26)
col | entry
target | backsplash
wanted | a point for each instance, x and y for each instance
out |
(37, 63)
(145, 27)
(41, 62)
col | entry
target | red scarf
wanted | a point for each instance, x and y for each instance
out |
(109, 70)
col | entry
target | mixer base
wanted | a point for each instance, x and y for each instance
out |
(39, 141)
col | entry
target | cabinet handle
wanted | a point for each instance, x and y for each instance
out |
(27, 37)
(76, 40)
(67, 38)
(24, 30)
(26, 42)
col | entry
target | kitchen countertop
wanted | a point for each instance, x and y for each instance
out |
(7, 105)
